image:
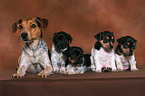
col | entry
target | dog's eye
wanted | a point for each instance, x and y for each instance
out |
(20, 27)
(125, 45)
(33, 26)
(106, 40)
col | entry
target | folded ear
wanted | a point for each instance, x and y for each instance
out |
(65, 53)
(42, 23)
(69, 38)
(14, 27)
(54, 37)
(135, 40)
(98, 36)
(119, 40)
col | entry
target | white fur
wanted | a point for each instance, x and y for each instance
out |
(57, 60)
(102, 59)
(124, 62)
(31, 58)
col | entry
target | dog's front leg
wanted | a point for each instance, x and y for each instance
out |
(54, 61)
(62, 68)
(112, 59)
(118, 63)
(97, 64)
(45, 61)
(133, 63)
(23, 65)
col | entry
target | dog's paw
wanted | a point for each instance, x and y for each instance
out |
(114, 69)
(56, 69)
(62, 70)
(71, 72)
(119, 69)
(16, 75)
(44, 74)
(98, 70)
(134, 70)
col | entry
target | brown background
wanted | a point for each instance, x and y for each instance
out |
(80, 18)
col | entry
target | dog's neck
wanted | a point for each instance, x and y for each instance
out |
(34, 44)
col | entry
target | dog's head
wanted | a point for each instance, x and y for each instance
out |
(126, 45)
(30, 29)
(105, 39)
(61, 40)
(74, 55)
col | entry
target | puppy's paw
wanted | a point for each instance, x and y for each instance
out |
(44, 73)
(114, 69)
(62, 70)
(93, 67)
(120, 69)
(16, 75)
(70, 72)
(55, 69)
(134, 70)
(98, 70)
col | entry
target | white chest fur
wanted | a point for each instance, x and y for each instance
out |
(104, 57)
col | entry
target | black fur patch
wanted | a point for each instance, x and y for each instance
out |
(61, 40)
(20, 21)
(97, 45)
(37, 20)
(118, 50)
(87, 60)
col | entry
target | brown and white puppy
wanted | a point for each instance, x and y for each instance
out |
(125, 58)
(34, 57)
(103, 52)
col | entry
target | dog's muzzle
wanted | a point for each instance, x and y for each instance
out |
(24, 36)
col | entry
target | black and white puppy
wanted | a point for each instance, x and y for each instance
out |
(125, 58)
(61, 42)
(77, 62)
(103, 53)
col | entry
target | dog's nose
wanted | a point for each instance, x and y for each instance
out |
(24, 35)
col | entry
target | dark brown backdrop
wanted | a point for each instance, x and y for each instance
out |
(80, 18)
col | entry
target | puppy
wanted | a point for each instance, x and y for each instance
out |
(61, 42)
(103, 52)
(34, 58)
(77, 62)
(125, 58)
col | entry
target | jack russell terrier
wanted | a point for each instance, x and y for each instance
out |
(34, 57)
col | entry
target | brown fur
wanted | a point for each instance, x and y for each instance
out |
(125, 50)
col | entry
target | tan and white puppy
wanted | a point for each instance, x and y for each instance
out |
(125, 58)
(34, 57)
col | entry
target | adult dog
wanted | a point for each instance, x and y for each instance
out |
(34, 58)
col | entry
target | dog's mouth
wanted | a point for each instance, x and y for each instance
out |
(26, 40)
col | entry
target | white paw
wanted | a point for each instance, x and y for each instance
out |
(98, 70)
(55, 69)
(71, 72)
(114, 69)
(134, 69)
(120, 69)
(44, 73)
(62, 70)
(93, 67)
